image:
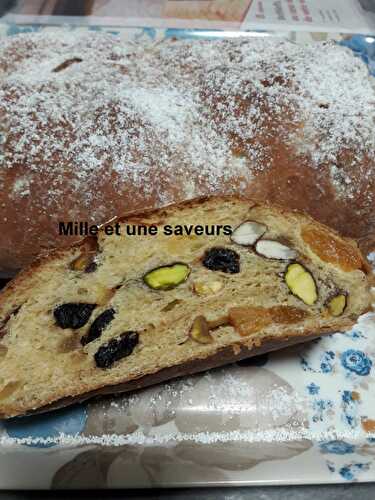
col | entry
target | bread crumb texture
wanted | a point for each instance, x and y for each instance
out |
(154, 302)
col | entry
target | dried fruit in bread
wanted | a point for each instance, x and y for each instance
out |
(152, 310)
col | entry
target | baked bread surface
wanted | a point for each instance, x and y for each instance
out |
(218, 298)
(92, 126)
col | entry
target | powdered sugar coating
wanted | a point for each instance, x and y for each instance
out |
(93, 117)
(133, 109)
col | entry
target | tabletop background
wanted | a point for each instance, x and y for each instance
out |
(323, 492)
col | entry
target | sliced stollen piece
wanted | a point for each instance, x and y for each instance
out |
(123, 312)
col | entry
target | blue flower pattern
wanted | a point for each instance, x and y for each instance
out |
(337, 447)
(313, 388)
(350, 410)
(350, 471)
(356, 361)
(355, 334)
(325, 365)
(320, 408)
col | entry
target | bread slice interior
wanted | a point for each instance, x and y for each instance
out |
(119, 308)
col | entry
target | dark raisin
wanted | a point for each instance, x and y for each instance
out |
(98, 326)
(222, 259)
(116, 349)
(92, 267)
(73, 315)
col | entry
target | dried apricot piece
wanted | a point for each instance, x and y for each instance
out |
(288, 314)
(247, 320)
(331, 249)
(251, 319)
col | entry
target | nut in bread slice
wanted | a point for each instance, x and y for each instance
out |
(127, 311)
